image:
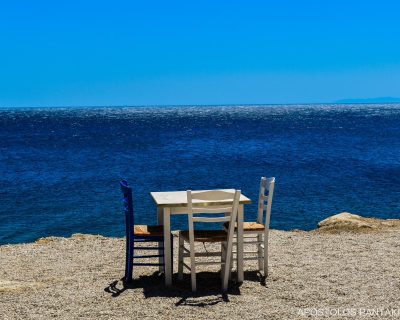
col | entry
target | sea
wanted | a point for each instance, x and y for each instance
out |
(60, 167)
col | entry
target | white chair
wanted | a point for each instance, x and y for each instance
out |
(209, 202)
(257, 232)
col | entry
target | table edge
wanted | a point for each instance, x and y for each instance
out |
(176, 205)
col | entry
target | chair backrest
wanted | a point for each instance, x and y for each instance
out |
(212, 202)
(265, 201)
(128, 207)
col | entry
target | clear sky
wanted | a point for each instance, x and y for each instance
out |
(87, 53)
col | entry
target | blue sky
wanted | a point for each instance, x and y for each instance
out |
(87, 53)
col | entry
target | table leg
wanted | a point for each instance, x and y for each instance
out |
(240, 274)
(167, 247)
(160, 221)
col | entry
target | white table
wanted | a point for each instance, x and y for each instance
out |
(175, 202)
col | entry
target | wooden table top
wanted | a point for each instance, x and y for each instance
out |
(179, 199)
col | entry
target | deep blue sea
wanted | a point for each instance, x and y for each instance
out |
(60, 167)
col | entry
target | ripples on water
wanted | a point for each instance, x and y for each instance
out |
(59, 167)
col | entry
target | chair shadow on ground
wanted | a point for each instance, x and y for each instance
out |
(208, 293)
(255, 276)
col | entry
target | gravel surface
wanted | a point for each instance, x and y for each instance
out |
(79, 277)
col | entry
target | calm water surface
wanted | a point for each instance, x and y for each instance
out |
(60, 167)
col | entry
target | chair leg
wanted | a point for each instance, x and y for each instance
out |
(223, 244)
(223, 260)
(172, 254)
(227, 267)
(128, 261)
(260, 253)
(265, 255)
(193, 277)
(193, 267)
(231, 266)
(180, 259)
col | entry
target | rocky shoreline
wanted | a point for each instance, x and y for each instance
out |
(354, 223)
(348, 262)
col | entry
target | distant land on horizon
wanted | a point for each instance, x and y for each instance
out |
(369, 100)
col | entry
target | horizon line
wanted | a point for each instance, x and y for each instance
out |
(199, 105)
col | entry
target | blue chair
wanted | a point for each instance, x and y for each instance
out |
(137, 234)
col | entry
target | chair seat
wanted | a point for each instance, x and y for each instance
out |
(205, 235)
(249, 226)
(148, 231)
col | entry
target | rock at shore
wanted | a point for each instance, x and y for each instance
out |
(351, 222)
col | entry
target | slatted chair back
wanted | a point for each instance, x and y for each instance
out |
(265, 201)
(128, 208)
(211, 202)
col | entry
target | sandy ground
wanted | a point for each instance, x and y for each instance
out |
(79, 277)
